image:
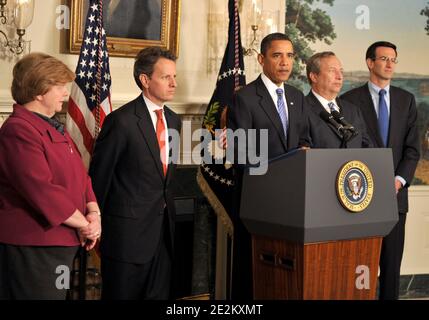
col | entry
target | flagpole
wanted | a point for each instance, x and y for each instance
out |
(100, 53)
(89, 103)
(216, 180)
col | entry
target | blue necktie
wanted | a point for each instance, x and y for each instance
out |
(331, 106)
(281, 109)
(383, 117)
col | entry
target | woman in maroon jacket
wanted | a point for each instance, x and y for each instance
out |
(47, 206)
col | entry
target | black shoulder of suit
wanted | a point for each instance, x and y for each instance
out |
(171, 112)
(173, 115)
(250, 87)
(402, 91)
(354, 91)
(346, 103)
(364, 89)
(126, 108)
(292, 89)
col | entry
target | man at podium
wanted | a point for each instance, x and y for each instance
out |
(266, 103)
(333, 122)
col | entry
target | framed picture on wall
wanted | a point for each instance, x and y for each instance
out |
(131, 25)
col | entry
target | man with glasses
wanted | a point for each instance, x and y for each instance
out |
(266, 103)
(390, 114)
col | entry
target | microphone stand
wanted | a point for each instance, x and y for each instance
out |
(347, 136)
(345, 132)
(344, 142)
(349, 131)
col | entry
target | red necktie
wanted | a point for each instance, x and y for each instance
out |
(160, 135)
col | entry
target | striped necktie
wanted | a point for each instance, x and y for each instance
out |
(331, 106)
(281, 109)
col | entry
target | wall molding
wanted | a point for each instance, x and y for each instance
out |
(180, 107)
(418, 191)
(416, 251)
(190, 111)
(6, 105)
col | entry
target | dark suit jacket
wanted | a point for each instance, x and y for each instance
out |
(129, 183)
(324, 135)
(403, 135)
(254, 109)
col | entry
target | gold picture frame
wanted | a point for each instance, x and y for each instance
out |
(128, 44)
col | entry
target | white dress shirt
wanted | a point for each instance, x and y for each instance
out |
(272, 87)
(374, 90)
(325, 102)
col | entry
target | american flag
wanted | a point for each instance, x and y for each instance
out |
(216, 180)
(89, 101)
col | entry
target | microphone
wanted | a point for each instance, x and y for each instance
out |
(325, 115)
(344, 132)
(339, 118)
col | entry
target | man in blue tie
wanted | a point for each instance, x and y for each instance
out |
(266, 103)
(269, 103)
(391, 115)
(325, 75)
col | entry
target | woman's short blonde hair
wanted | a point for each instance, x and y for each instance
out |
(35, 74)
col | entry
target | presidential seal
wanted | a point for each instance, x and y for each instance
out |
(355, 186)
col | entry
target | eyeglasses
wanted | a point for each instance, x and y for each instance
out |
(386, 59)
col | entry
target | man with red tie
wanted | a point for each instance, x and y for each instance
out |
(131, 170)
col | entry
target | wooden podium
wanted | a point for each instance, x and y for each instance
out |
(306, 244)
